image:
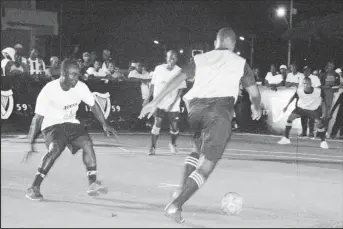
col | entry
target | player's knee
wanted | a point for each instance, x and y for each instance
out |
(174, 129)
(205, 167)
(54, 149)
(155, 130)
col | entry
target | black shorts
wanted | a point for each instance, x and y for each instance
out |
(299, 112)
(172, 116)
(211, 119)
(64, 135)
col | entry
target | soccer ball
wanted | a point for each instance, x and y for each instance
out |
(232, 203)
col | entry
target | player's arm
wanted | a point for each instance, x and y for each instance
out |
(249, 83)
(35, 128)
(295, 96)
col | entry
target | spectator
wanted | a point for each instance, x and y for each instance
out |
(106, 56)
(256, 72)
(19, 50)
(36, 64)
(114, 72)
(283, 72)
(330, 82)
(274, 80)
(292, 79)
(338, 125)
(16, 68)
(95, 71)
(144, 77)
(8, 54)
(93, 58)
(54, 71)
(315, 73)
(86, 61)
(339, 72)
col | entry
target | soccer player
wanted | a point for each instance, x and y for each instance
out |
(170, 106)
(55, 116)
(217, 76)
(310, 104)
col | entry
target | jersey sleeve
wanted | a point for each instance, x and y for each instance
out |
(248, 78)
(42, 102)
(86, 95)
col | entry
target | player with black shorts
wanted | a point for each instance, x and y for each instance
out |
(55, 116)
(170, 106)
(310, 104)
(210, 103)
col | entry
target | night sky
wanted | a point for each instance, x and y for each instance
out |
(128, 28)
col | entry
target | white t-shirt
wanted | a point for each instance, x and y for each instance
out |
(314, 80)
(144, 86)
(92, 71)
(59, 106)
(274, 79)
(309, 101)
(161, 77)
(291, 78)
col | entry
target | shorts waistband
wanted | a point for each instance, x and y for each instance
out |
(227, 100)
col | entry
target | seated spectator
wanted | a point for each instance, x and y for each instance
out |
(274, 80)
(95, 71)
(284, 72)
(86, 62)
(8, 54)
(258, 78)
(292, 79)
(36, 64)
(114, 73)
(54, 71)
(144, 77)
(106, 56)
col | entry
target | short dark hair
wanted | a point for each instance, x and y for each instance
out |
(67, 63)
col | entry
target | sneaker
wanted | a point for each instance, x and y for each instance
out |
(311, 135)
(172, 148)
(284, 141)
(33, 193)
(302, 135)
(96, 189)
(174, 213)
(324, 145)
(152, 151)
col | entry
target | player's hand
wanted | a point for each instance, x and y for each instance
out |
(148, 110)
(145, 102)
(110, 131)
(29, 153)
(256, 112)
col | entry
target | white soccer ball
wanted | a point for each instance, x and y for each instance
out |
(232, 203)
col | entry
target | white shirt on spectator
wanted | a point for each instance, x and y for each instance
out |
(161, 77)
(274, 79)
(36, 66)
(144, 86)
(291, 78)
(59, 106)
(314, 80)
(92, 71)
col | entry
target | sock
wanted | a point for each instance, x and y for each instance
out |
(154, 138)
(91, 173)
(194, 182)
(191, 163)
(304, 121)
(174, 137)
(40, 175)
(288, 129)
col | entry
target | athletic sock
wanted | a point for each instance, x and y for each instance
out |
(91, 174)
(191, 164)
(40, 175)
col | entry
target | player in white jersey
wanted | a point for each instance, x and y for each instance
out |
(55, 116)
(170, 106)
(217, 75)
(310, 104)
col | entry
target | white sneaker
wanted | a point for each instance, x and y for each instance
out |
(324, 145)
(172, 148)
(284, 141)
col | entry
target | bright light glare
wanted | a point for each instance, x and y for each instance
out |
(156, 42)
(242, 38)
(181, 51)
(238, 53)
(281, 12)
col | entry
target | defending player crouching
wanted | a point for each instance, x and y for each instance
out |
(310, 104)
(170, 106)
(55, 116)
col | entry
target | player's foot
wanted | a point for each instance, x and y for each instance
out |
(324, 145)
(302, 135)
(96, 189)
(172, 148)
(33, 193)
(174, 213)
(311, 135)
(284, 141)
(152, 151)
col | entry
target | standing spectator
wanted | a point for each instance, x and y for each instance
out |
(93, 58)
(273, 79)
(315, 73)
(330, 79)
(339, 72)
(96, 70)
(256, 72)
(16, 68)
(86, 57)
(19, 50)
(8, 54)
(54, 71)
(144, 77)
(36, 64)
(114, 73)
(283, 72)
(293, 77)
(106, 56)
(338, 124)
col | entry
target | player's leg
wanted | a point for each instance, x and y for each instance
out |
(304, 124)
(155, 131)
(174, 130)
(215, 138)
(296, 113)
(311, 127)
(321, 126)
(56, 142)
